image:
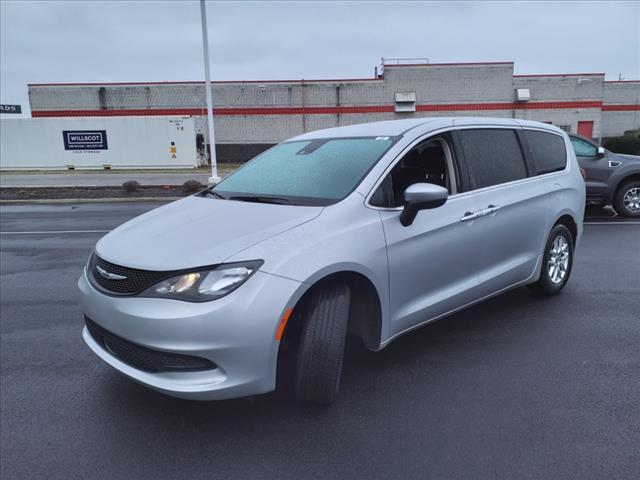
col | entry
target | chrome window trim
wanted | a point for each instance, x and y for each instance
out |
(481, 190)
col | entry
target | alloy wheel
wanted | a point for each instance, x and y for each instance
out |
(558, 260)
(631, 200)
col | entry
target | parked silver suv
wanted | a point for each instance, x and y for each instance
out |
(370, 229)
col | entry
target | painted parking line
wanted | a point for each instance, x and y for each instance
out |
(54, 232)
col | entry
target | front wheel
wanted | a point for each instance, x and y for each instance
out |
(324, 330)
(626, 202)
(556, 263)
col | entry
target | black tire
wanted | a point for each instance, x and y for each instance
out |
(618, 200)
(545, 284)
(325, 317)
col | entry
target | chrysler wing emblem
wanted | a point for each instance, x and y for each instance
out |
(109, 275)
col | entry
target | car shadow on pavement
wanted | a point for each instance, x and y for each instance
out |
(420, 358)
(596, 212)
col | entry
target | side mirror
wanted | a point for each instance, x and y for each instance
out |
(421, 196)
(600, 153)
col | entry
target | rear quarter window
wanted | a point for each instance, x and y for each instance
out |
(547, 150)
(493, 156)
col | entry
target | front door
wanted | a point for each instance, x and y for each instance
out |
(433, 263)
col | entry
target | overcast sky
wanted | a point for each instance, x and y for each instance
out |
(96, 41)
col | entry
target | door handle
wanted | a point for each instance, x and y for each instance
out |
(471, 216)
(480, 213)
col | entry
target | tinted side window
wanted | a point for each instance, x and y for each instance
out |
(582, 148)
(548, 151)
(493, 156)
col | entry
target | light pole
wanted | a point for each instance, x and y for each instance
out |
(207, 83)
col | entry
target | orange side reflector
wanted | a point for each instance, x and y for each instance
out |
(283, 323)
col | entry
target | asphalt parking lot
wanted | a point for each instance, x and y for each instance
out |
(517, 387)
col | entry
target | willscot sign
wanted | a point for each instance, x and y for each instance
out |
(85, 139)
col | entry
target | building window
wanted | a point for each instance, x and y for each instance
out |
(566, 128)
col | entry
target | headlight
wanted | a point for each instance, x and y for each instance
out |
(204, 285)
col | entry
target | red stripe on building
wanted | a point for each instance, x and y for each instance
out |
(217, 111)
(620, 108)
(131, 112)
(557, 105)
(457, 107)
(334, 110)
(304, 110)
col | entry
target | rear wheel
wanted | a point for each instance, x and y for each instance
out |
(325, 317)
(627, 200)
(556, 263)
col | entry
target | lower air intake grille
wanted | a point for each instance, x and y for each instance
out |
(143, 358)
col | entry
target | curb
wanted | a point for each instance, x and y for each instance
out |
(63, 201)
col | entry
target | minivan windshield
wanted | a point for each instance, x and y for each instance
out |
(310, 172)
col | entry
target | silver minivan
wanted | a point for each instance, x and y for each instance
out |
(370, 230)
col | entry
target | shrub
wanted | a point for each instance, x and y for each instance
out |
(131, 186)
(629, 144)
(192, 186)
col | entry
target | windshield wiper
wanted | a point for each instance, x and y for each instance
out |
(261, 199)
(214, 194)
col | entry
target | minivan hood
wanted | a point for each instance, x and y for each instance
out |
(197, 231)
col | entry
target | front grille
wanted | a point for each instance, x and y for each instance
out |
(143, 358)
(135, 282)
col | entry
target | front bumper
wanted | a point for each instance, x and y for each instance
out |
(236, 332)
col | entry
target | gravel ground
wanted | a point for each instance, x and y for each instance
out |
(53, 193)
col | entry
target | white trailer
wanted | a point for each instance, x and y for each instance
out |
(97, 143)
